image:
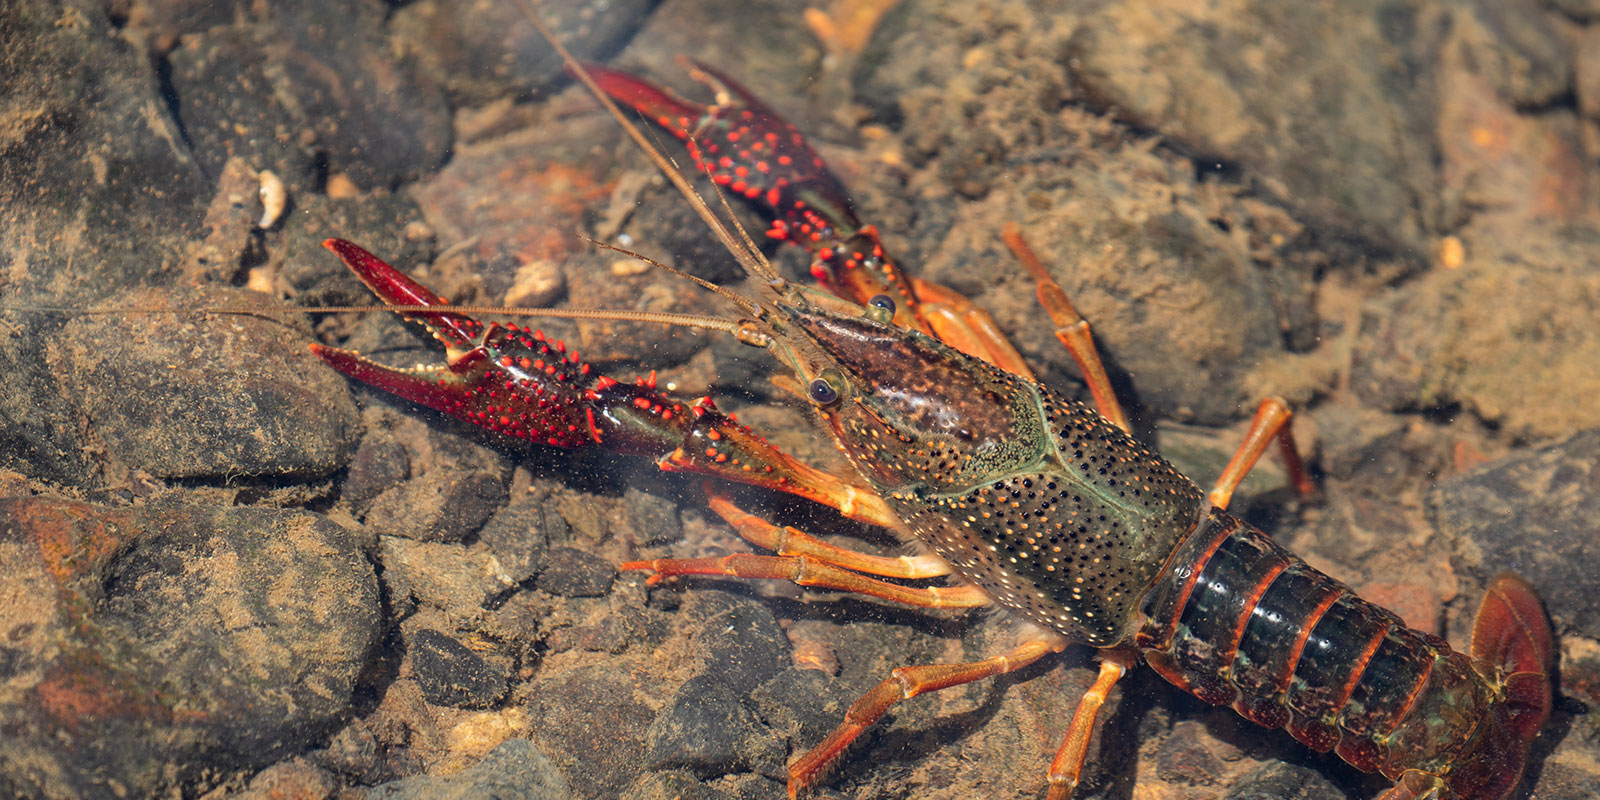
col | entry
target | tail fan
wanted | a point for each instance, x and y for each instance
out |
(1512, 633)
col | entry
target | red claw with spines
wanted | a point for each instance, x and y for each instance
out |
(516, 382)
(755, 153)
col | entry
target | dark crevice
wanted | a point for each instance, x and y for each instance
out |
(169, 98)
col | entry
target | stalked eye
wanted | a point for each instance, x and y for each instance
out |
(882, 301)
(823, 393)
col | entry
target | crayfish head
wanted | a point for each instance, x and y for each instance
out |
(912, 413)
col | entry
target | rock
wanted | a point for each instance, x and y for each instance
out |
(489, 51)
(570, 572)
(1419, 606)
(624, 626)
(151, 649)
(456, 484)
(591, 722)
(452, 674)
(1510, 147)
(354, 751)
(1579, 9)
(1352, 437)
(713, 31)
(438, 505)
(708, 729)
(1186, 756)
(98, 190)
(1147, 275)
(380, 462)
(737, 642)
(1355, 527)
(1513, 323)
(1281, 781)
(290, 780)
(205, 396)
(516, 770)
(802, 705)
(96, 193)
(1203, 453)
(162, 21)
(672, 785)
(39, 433)
(459, 580)
(655, 519)
(1143, 249)
(1346, 140)
(510, 211)
(1518, 48)
(1567, 781)
(220, 79)
(751, 786)
(372, 118)
(519, 536)
(1534, 514)
(1586, 77)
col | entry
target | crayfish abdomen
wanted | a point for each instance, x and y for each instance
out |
(1237, 620)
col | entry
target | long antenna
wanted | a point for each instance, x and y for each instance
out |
(747, 256)
(662, 317)
(737, 299)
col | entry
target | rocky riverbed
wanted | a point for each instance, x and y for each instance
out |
(226, 571)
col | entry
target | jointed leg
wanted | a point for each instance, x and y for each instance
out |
(807, 571)
(1271, 421)
(960, 323)
(1415, 785)
(903, 684)
(1071, 328)
(1067, 766)
(788, 541)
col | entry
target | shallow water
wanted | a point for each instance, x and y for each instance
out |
(229, 571)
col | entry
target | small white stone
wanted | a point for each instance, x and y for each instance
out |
(274, 199)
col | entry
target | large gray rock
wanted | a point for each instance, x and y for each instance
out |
(1536, 514)
(153, 650)
(205, 396)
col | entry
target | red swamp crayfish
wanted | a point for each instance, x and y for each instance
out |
(1025, 499)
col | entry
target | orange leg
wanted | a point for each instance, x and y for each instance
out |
(903, 684)
(1415, 785)
(1068, 763)
(788, 541)
(807, 571)
(967, 327)
(1271, 421)
(1071, 328)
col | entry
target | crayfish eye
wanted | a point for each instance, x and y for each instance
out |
(882, 301)
(823, 393)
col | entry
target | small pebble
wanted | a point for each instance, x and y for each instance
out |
(570, 572)
(452, 674)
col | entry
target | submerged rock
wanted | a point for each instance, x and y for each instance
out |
(516, 770)
(160, 647)
(1535, 514)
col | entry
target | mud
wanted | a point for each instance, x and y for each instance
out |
(1387, 212)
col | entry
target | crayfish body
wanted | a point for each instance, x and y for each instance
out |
(1030, 500)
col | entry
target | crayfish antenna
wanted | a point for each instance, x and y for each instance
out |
(734, 297)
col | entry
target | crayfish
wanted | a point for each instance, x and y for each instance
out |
(1023, 498)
